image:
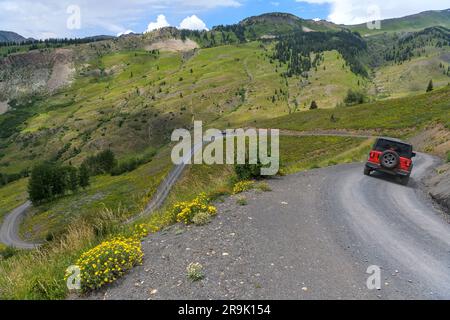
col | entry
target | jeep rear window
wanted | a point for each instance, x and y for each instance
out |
(404, 150)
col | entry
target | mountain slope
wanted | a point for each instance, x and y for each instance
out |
(8, 36)
(407, 24)
(277, 22)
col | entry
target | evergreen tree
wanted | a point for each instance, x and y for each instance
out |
(354, 97)
(83, 176)
(107, 161)
(40, 183)
(49, 180)
(104, 162)
(72, 179)
(313, 105)
(430, 86)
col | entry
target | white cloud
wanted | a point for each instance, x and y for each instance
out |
(160, 22)
(125, 33)
(356, 11)
(193, 23)
(38, 18)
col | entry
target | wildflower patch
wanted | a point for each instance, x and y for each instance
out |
(108, 261)
(195, 271)
(243, 186)
(186, 211)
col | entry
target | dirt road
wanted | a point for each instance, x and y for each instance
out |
(312, 237)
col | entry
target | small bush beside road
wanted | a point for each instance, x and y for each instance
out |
(108, 261)
(186, 211)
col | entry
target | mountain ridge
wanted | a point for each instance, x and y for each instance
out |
(10, 36)
(409, 23)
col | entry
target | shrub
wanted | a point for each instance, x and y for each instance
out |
(104, 162)
(242, 201)
(448, 156)
(8, 252)
(108, 261)
(6, 178)
(140, 231)
(248, 171)
(354, 97)
(84, 176)
(131, 164)
(201, 218)
(243, 186)
(186, 211)
(195, 271)
(49, 180)
(263, 186)
(126, 166)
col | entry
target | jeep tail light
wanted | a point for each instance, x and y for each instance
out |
(408, 163)
(405, 164)
(374, 156)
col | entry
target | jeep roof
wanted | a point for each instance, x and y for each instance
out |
(394, 140)
(404, 149)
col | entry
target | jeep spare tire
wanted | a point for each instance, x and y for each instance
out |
(389, 159)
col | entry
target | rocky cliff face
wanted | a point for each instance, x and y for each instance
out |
(439, 186)
(35, 71)
(436, 140)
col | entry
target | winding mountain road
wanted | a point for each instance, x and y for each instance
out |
(312, 237)
(9, 230)
(388, 224)
(326, 226)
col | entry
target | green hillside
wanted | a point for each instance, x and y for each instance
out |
(406, 24)
(128, 94)
(389, 117)
(131, 101)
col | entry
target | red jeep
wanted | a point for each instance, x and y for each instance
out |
(391, 156)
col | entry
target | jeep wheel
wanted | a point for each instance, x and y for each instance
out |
(389, 159)
(367, 171)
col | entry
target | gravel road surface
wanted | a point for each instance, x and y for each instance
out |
(312, 237)
(9, 230)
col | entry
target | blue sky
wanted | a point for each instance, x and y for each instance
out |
(58, 18)
(249, 8)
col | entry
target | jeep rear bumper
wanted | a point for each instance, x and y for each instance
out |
(394, 172)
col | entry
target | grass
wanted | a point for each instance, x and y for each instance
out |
(128, 192)
(131, 101)
(412, 77)
(302, 153)
(395, 117)
(12, 195)
(241, 200)
(327, 85)
(263, 186)
(410, 23)
(39, 274)
(134, 108)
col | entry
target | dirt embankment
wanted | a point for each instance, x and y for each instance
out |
(439, 185)
(3, 107)
(35, 71)
(174, 45)
(436, 140)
